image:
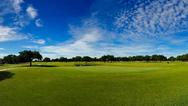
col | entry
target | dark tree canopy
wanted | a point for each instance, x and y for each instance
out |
(63, 59)
(46, 59)
(172, 58)
(1, 61)
(158, 58)
(183, 57)
(107, 58)
(28, 56)
(77, 58)
(86, 59)
(11, 59)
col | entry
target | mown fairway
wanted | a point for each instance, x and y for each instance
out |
(106, 84)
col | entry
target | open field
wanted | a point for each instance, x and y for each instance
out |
(103, 84)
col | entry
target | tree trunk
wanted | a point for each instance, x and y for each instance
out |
(30, 63)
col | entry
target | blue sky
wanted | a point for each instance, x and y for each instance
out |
(94, 27)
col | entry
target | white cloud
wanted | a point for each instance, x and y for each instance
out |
(17, 5)
(148, 19)
(76, 49)
(83, 49)
(3, 54)
(13, 12)
(1, 49)
(92, 40)
(30, 47)
(40, 41)
(154, 18)
(21, 21)
(10, 34)
(32, 12)
(84, 38)
(10, 6)
(38, 23)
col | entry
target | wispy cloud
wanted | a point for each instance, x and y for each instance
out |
(91, 39)
(154, 18)
(10, 34)
(12, 30)
(32, 12)
(81, 49)
(39, 41)
(38, 23)
(141, 29)
(17, 5)
(30, 47)
(82, 45)
(1, 49)
(20, 15)
(10, 6)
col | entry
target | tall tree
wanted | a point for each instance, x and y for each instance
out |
(29, 56)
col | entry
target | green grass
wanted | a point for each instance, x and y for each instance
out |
(103, 84)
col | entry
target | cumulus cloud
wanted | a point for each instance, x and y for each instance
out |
(32, 12)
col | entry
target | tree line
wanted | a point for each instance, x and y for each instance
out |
(23, 57)
(111, 58)
(29, 56)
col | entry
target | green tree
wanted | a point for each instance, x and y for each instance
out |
(63, 59)
(147, 58)
(77, 58)
(11, 59)
(158, 58)
(46, 59)
(107, 58)
(172, 58)
(1, 61)
(183, 57)
(86, 59)
(28, 56)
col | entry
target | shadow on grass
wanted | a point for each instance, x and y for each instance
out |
(84, 64)
(5, 75)
(43, 66)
